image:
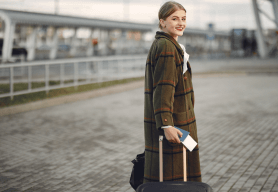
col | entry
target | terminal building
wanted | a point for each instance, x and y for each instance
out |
(36, 36)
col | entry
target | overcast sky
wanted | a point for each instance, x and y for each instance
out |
(225, 14)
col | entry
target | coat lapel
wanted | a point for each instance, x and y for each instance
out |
(189, 67)
(160, 34)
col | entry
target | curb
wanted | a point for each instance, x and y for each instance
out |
(70, 98)
(218, 74)
(96, 93)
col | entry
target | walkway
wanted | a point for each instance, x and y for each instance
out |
(88, 145)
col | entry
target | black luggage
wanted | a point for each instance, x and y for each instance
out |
(173, 186)
(137, 173)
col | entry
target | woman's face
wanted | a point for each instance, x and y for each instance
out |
(175, 24)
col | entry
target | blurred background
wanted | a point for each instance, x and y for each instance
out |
(214, 28)
(71, 42)
(55, 52)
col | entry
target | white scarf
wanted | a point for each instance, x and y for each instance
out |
(185, 58)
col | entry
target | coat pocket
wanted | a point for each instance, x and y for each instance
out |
(183, 118)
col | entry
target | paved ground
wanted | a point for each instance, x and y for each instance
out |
(88, 145)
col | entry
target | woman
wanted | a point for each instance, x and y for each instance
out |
(169, 100)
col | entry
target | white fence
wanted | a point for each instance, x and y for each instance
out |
(69, 72)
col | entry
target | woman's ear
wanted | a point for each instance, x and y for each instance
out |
(161, 21)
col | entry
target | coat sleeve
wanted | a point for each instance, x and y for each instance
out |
(165, 81)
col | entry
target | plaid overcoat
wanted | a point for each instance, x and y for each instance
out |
(169, 100)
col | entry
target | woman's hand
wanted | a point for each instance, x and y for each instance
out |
(172, 133)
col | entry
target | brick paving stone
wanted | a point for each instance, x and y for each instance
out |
(235, 178)
(88, 145)
(124, 188)
(275, 187)
(130, 190)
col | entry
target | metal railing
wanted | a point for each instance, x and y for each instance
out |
(69, 72)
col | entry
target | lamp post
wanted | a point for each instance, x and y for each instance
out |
(126, 9)
(56, 7)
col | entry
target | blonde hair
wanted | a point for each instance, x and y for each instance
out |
(168, 9)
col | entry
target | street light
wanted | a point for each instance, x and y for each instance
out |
(56, 7)
(126, 10)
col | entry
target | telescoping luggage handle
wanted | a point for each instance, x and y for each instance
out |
(161, 161)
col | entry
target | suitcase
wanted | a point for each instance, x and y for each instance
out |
(173, 186)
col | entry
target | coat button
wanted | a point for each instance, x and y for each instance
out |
(185, 78)
(165, 119)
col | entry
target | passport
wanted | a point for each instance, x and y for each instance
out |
(187, 140)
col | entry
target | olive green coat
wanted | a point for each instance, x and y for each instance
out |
(169, 100)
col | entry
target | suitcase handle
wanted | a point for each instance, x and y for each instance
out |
(161, 161)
